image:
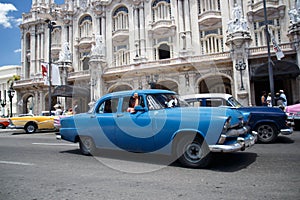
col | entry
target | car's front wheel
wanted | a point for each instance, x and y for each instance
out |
(192, 152)
(267, 133)
(30, 128)
(87, 145)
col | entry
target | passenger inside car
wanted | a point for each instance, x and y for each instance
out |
(133, 101)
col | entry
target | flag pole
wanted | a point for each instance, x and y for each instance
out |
(270, 67)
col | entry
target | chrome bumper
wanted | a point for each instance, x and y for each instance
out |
(240, 145)
(286, 131)
(14, 127)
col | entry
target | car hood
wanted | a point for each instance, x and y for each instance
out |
(246, 111)
(293, 108)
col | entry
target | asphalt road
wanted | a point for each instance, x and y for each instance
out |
(38, 167)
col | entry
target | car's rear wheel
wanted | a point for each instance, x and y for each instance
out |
(87, 145)
(192, 152)
(2, 126)
(30, 128)
(267, 133)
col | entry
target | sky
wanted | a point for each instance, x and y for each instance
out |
(10, 34)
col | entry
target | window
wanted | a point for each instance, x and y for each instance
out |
(127, 102)
(161, 101)
(85, 27)
(259, 31)
(161, 10)
(108, 106)
(122, 57)
(120, 19)
(208, 5)
(164, 51)
(211, 41)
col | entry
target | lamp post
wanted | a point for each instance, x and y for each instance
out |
(50, 26)
(11, 94)
(241, 66)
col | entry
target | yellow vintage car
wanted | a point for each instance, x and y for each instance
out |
(32, 123)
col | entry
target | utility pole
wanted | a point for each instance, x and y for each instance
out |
(270, 65)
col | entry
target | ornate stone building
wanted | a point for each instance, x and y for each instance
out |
(189, 46)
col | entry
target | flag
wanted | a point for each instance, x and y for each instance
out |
(276, 47)
(55, 74)
(45, 73)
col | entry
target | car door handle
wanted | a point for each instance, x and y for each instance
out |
(120, 115)
(93, 116)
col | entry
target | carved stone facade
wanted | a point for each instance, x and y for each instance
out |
(190, 46)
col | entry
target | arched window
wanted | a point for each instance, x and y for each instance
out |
(161, 10)
(56, 36)
(120, 19)
(163, 51)
(85, 27)
(85, 63)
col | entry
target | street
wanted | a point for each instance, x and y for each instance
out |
(37, 166)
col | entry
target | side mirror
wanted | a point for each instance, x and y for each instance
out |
(139, 108)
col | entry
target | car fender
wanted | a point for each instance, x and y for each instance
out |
(187, 131)
(266, 121)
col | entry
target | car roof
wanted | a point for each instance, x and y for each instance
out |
(207, 95)
(131, 92)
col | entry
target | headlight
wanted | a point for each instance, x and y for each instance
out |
(227, 124)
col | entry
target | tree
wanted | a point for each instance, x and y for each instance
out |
(11, 80)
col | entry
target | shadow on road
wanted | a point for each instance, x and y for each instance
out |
(284, 140)
(229, 162)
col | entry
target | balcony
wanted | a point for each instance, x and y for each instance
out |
(209, 18)
(120, 35)
(79, 75)
(275, 9)
(84, 42)
(162, 27)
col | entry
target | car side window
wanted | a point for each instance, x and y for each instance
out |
(127, 101)
(154, 103)
(108, 106)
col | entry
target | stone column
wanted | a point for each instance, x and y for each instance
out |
(97, 64)
(294, 36)
(142, 33)
(33, 51)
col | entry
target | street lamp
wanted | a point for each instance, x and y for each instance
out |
(11, 94)
(241, 66)
(51, 25)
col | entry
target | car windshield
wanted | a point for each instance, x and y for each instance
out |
(234, 102)
(161, 101)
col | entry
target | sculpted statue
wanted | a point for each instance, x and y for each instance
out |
(295, 13)
(238, 22)
(98, 48)
(65, 53)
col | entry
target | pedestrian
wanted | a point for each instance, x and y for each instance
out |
(75, 107)
(283, 97)
(264, 98)
(269, 100)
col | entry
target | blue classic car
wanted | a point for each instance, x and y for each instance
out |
(268, 122)
(158, 122)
